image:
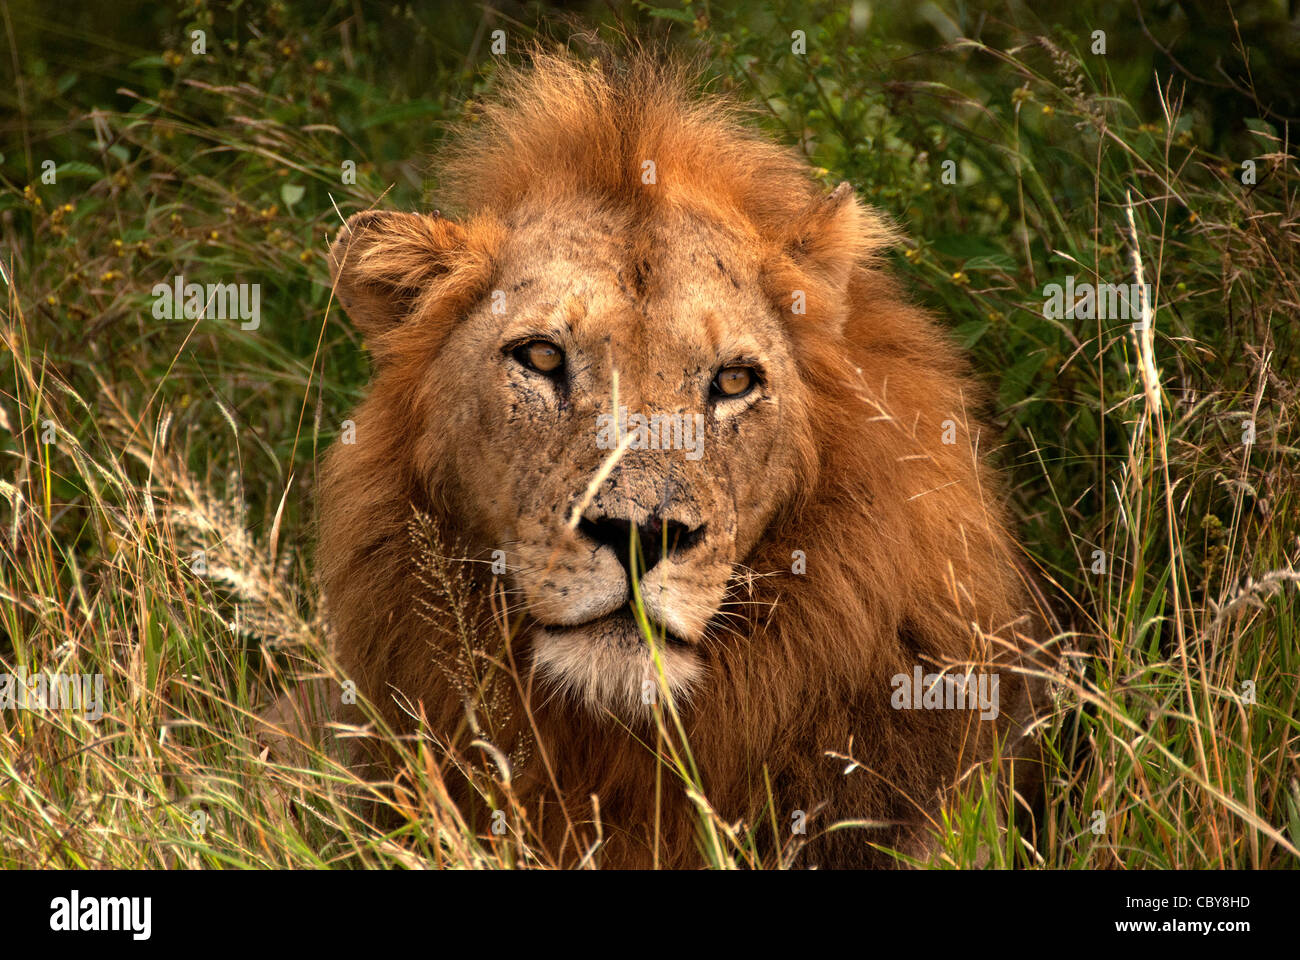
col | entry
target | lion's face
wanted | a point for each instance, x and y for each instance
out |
(596, 323)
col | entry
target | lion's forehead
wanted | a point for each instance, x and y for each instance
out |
(641, 287)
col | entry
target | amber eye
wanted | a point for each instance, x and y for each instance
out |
(540, 355)
(734, 381)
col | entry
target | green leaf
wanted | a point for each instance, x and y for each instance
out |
(970, 332)
(1262, 129)
(998, 261)
(291, 193)
(413, 110)
(967, 246)
(1017, 378)
(77, 169)
(664, 13)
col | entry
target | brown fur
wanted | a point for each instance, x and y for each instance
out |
(908, 560)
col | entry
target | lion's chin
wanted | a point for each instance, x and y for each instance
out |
(607, 665)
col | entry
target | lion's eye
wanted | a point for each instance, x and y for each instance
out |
(734, 381)
(540, 355)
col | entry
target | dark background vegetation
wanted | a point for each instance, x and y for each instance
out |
(226, 167)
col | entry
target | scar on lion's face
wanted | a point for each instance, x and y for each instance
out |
(644, 358)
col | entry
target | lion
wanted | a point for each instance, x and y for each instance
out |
(657, 388)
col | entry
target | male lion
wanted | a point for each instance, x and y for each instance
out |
(795, 501)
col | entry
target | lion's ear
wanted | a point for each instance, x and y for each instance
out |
(821, 248)
(836, 233)
(384, 265)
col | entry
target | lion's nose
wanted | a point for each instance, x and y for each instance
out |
(655, 539)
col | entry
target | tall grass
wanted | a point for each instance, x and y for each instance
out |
(158, 474)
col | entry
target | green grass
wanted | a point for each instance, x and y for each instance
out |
(171, 437)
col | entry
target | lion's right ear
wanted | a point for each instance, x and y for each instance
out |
(389, 266)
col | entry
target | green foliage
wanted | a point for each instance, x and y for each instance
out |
(1010, 153)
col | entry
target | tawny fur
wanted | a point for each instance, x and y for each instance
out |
(908, 557)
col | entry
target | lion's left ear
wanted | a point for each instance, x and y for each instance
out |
(820, 249)
(385, 264)
(837, 233)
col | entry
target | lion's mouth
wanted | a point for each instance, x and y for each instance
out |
(624, 623)
(608, 663)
